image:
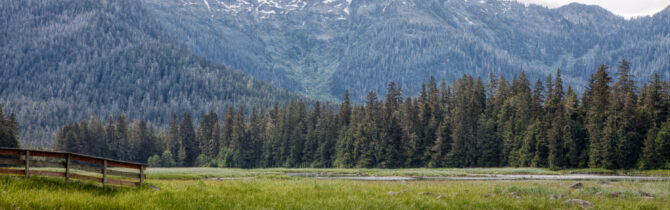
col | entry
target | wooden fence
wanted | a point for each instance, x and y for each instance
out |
(32, 160)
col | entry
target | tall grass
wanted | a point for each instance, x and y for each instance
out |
(304, 193)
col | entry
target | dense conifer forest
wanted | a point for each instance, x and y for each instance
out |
(469, 123)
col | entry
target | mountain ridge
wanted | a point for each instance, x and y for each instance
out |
(320, 50)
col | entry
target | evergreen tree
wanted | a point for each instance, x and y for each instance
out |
(489, 145)
(96, 139)
(623, 122)
(239, 143)
(173, 138)
(442, 145)
(227, 131)
(327, 134)
(575, 134)
(188, 143)
(514, 118)
(663, 146)
(344, 115)
(598, 96)
(212, 147)
(9, 129)
(110, 138)
(557, 122)
(205, 132)
(121, 138)
(469, 101)
(653, 110)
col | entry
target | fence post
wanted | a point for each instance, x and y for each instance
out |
(141, 174)
(67, 167)
(27, 163)
(104, 172)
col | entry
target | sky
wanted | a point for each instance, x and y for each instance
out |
(626, 8)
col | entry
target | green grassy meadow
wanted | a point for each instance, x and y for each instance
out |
(273, 189)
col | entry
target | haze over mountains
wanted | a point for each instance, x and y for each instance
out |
(322, 48)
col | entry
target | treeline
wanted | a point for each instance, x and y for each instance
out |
(9, 129)
(470, 123)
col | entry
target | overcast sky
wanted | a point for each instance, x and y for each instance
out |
(626, 8)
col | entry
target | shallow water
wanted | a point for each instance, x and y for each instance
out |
(482, 177)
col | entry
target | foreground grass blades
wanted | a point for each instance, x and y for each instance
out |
(305, 193)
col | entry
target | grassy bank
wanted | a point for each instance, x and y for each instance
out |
(304, 193)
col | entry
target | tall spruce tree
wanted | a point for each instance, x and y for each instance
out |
(469, 103)
(598, 96)
(121, 138)
(575, 134)
(653, 110)
(187, 141)
(205, 132)
(557, 117)
(8, 131)
(623, 121)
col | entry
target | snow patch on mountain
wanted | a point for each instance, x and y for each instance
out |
(331, 9)
(207, 4)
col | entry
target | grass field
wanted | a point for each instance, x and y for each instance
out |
(273, 189)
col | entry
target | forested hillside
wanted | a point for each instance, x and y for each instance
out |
(469, 123)
(64, 60)
(322, 48)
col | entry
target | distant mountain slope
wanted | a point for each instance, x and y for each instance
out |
(65, 60)
(322, 47)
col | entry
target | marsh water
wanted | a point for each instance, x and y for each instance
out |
(482, 177)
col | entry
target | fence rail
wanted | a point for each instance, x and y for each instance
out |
(32, 160)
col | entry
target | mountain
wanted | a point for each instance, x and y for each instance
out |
(65, 60)
(323, 47)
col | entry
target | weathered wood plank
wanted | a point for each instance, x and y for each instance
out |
(48, 173)
(123, 174)
(121, 182)
(12, 171)
(8, 161)
(85, 159)
(84, 177)
(44, 163)
(85, 168)
(123, 165)
(47, 154)
(11, 152)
